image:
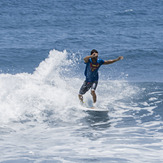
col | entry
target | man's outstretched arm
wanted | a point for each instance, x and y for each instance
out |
(112, 61)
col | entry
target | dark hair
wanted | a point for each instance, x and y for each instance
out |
(94, 51)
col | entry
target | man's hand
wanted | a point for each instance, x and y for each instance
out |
(120, 58)
(94, 55)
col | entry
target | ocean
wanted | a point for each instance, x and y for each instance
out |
(42, 46)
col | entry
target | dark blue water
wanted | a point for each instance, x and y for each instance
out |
(41, 119)
(29, 30)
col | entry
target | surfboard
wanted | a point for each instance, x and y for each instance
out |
(95, 109)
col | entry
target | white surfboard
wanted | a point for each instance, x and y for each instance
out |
(95, 109)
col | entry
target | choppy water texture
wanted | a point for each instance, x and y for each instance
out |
(41, 119)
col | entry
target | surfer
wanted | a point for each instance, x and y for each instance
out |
(91, 72)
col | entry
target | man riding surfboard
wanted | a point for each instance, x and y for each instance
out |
(91, 72)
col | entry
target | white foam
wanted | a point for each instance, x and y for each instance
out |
(49, 88)
(46, 88)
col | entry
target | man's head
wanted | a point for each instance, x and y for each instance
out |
(94, 53)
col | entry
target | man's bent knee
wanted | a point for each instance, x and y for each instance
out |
(93, 92)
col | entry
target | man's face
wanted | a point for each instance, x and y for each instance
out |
(95, 55)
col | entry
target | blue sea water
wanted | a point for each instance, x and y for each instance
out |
(42, 45)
